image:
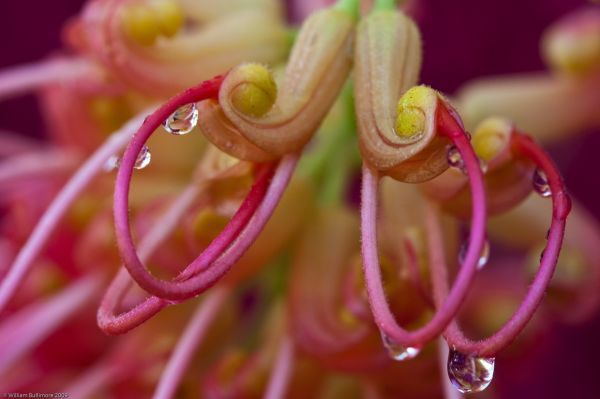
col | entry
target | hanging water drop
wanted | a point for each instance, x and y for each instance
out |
(540, 184)
(455, 159)
(484, 256)
(470, 374)
(398, 352)
(143, 158)
(182, 121)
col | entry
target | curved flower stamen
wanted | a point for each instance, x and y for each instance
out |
(451, 128)
(187, 284)
(561, 205)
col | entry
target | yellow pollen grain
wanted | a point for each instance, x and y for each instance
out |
(170, 16)
(410, 122)
(411, 118)
(257, 94)
(140, 24)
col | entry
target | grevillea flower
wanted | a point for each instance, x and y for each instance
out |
(189, 228)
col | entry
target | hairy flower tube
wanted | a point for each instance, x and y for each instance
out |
(229, 205)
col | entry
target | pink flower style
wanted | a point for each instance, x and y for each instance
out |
(232, 261)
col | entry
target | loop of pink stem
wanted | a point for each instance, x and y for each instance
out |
(192, 337)
(220, 258)
(24, 78)
(561, 205)
(59, 206)
(190, 282)
(384, 318)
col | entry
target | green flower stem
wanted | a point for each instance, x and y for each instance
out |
(332, 163)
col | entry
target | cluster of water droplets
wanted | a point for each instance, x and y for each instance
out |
(484, 256)
(540, 184)
(398, 352)
(470, 374)
(180, 122)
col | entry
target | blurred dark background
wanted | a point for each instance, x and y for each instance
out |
(463, 39)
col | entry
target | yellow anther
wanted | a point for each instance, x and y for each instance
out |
(491, 137)
(257, 94)
(410, 122)
(140, 24)
(169, 15)
(412, 106)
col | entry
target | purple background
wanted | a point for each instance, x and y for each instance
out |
(463, 39)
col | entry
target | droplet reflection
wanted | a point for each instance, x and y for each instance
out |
(540, 184)
(182, 121)
(398, 352)
(470, 374)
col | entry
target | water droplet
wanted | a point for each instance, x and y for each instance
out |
(540, 184)
(483, 257)
(111, 163)
(182, 121)
(455, 159)
(143, 158)
(470, 373)
(398, 352)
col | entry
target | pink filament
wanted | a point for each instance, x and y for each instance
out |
(21, 79)
(27, 328)
(94, 379)
(222, 262)
(35, 164)
(59, 206)
(192, 337)
(379, 306)
(13, 144)
(561, 206)
(282, 370)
